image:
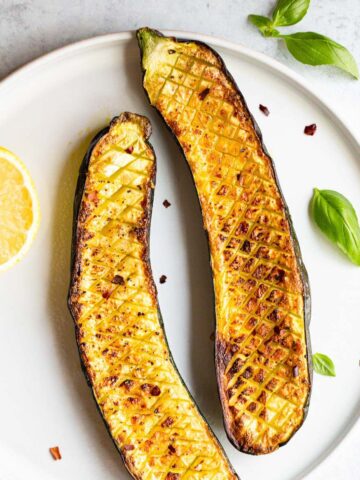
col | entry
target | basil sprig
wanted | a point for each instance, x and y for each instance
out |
(264, 24)
(323, 365)
(307, 47)
(336, 218)
(289, 12)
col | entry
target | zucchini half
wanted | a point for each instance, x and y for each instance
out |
(262, 296)
(147, 409)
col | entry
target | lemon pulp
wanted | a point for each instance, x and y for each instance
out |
(19, 209)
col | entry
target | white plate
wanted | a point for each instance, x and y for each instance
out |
(49, 111)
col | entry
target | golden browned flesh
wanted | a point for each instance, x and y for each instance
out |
(260, 284)
(148, 411)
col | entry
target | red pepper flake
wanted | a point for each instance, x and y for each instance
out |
(172, 449)
(118, 280)
(155, 391)
(106, 294)
(129, 149)
(295, 371)
(212, 336)
(264, 110)
(146, 387)
(111, 380)
(127, 384)
(163, 279)
(167, 422)
(172, 476)
(55, 452)
(127, 448)
(204, 93)
(166, 203)
(310, 129)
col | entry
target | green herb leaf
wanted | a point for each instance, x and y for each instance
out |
(323, 365)
(315, 49)
(336, 218)
(259, 21)
(289, 12)
(264, 24)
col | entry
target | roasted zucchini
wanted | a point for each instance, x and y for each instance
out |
(262, 296)
(147, 409)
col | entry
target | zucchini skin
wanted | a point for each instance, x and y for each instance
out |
(162, 424)
(239, 435)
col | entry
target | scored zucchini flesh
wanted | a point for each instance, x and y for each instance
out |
(146, 407)
(261, 287)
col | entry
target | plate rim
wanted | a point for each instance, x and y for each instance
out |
(246, 52)
(285, 72)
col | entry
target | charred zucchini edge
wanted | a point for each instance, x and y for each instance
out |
(302, 269)
(79, 190)
(145, 238)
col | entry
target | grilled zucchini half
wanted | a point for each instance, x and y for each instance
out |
(262, 296)
(148, 411)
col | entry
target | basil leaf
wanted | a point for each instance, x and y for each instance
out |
(264, 24)
(315, 49)
(336, 218)
(259, 21)
(323, 365)
(289, 12)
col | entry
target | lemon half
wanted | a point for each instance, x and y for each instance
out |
(19, 209)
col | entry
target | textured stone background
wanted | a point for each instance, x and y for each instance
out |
(30, 28)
